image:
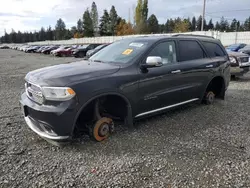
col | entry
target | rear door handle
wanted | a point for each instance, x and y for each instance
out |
(176, 71)
(209, 66)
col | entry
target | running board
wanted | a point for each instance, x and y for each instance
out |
(166, 107)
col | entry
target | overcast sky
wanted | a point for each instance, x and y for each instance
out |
(30, 15)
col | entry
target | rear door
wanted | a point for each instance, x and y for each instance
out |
(196, 68)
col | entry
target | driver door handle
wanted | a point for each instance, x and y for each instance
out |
(176, 71)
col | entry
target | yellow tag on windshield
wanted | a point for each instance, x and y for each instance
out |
(127, 52)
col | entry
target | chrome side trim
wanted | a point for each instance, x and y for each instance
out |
(43, 134)
(166, 107)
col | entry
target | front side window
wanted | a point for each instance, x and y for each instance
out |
(165, 50)
(190, 50)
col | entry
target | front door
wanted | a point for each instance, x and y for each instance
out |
(160, 86)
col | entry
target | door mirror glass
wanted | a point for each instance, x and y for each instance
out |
(153, 61)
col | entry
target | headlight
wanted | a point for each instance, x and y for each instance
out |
(58, 93)
(233, 60)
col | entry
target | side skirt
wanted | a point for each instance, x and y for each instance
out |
(166, 107)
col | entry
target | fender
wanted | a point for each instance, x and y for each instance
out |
(128, 119)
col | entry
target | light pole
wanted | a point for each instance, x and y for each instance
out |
(203, 15)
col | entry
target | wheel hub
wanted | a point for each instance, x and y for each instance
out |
(103, 130)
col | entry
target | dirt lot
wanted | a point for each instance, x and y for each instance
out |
(195, 146)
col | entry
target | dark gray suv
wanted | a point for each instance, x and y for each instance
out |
(128, 80)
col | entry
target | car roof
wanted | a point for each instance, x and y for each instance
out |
(178, 36)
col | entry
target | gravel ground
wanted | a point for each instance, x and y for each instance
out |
(194, 146)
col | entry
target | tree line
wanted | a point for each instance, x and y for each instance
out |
(111, 24)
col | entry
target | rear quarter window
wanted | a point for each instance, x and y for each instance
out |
(213, 49)
(190, 50)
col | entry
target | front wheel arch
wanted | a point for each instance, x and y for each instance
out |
(128, 120)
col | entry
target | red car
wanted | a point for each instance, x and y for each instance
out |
(64, 52)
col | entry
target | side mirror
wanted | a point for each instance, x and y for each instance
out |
(152, 61)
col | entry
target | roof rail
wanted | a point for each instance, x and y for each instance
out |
(191, 35)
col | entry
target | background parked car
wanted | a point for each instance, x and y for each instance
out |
(64, 52)
(240, 63)
(41, 49)
(235, 47)
(53, 52)
(4, 47)
(32, 49)
(82, 50)
(49, 49)
(245, 50)
(97, 49)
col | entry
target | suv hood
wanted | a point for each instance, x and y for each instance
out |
(236, 54)
(64, 74)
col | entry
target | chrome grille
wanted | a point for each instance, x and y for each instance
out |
(34, 92)
(244, 59)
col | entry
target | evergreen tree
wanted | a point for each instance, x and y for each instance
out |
(153, 25)
(217, 26)
(247, 24)
(162, 28)
(13, 36)
(42, 35)
(19, 37)
(31, 38)
(94, 17)
(49, 35)
(188, 23)
(88, 28)
(73, 30)
(193, 27)
(68, 34)
(234, 26)
(79, 26)
(199, 23)
(60, 29)
(113, 20)
(104, 28)
(224, 25)
(210, 25)
(169, 26)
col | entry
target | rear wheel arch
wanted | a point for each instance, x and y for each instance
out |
(217, 85)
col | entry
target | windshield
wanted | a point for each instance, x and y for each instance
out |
(120, 52)
(233, 46)
(98, 47)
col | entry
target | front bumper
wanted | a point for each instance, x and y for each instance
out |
(51, 122)
(42, 131)
(239, 71)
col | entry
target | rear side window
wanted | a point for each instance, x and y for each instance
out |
(190, 50)
(213, 49)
